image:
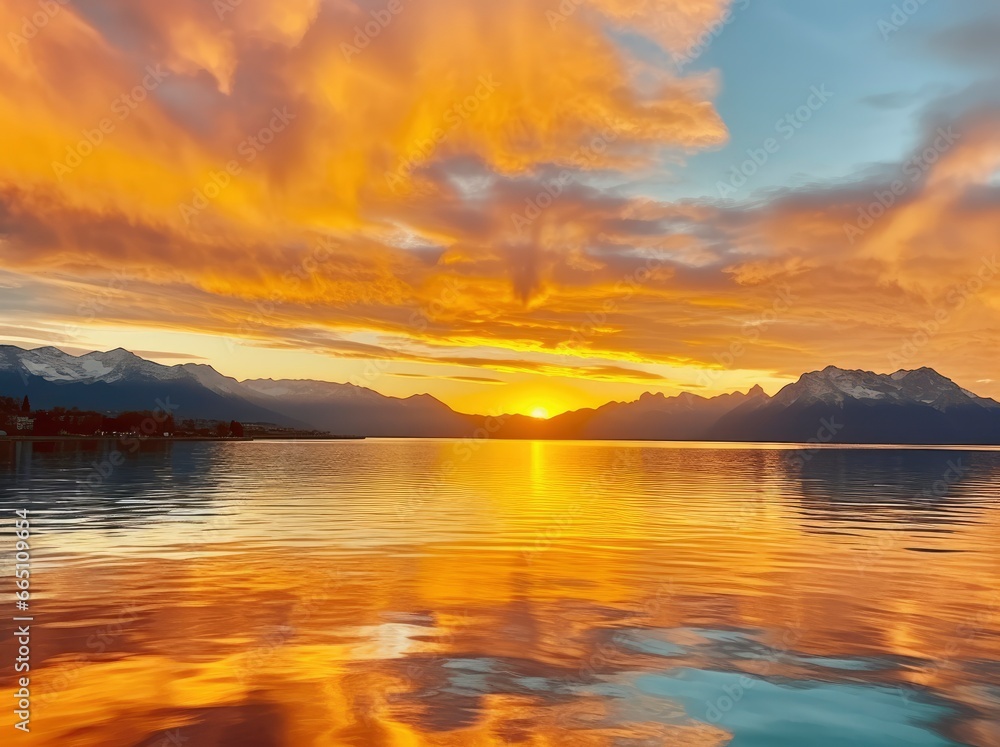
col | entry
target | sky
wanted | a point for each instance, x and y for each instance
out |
(520, 206)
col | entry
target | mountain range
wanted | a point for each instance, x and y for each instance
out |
(843, 406)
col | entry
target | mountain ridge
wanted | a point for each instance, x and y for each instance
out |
(907, 406)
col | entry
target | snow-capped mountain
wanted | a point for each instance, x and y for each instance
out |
(308, 389)
(837, 405)
(118, 380)
(923, 386)
(53, 365)
(354, 409)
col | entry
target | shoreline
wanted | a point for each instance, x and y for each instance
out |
(684, 444)
(163, 439)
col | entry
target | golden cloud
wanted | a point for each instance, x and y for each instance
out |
(428, 171)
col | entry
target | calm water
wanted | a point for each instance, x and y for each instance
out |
(521, 593)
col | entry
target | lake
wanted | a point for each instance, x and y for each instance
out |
(434, 592)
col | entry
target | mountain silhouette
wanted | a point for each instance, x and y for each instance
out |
(833, 405)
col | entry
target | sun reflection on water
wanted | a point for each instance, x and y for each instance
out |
(602, 594)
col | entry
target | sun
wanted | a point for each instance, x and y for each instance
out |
(540, 412)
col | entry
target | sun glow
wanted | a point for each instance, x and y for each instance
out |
(540, 412)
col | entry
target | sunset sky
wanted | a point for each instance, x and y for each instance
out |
(509, 204)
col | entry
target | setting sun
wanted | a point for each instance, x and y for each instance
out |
(609, 324)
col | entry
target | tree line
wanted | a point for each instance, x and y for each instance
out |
(73, 421)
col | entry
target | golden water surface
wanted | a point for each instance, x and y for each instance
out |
(431, 592)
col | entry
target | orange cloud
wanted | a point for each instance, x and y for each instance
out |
(432, 175)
